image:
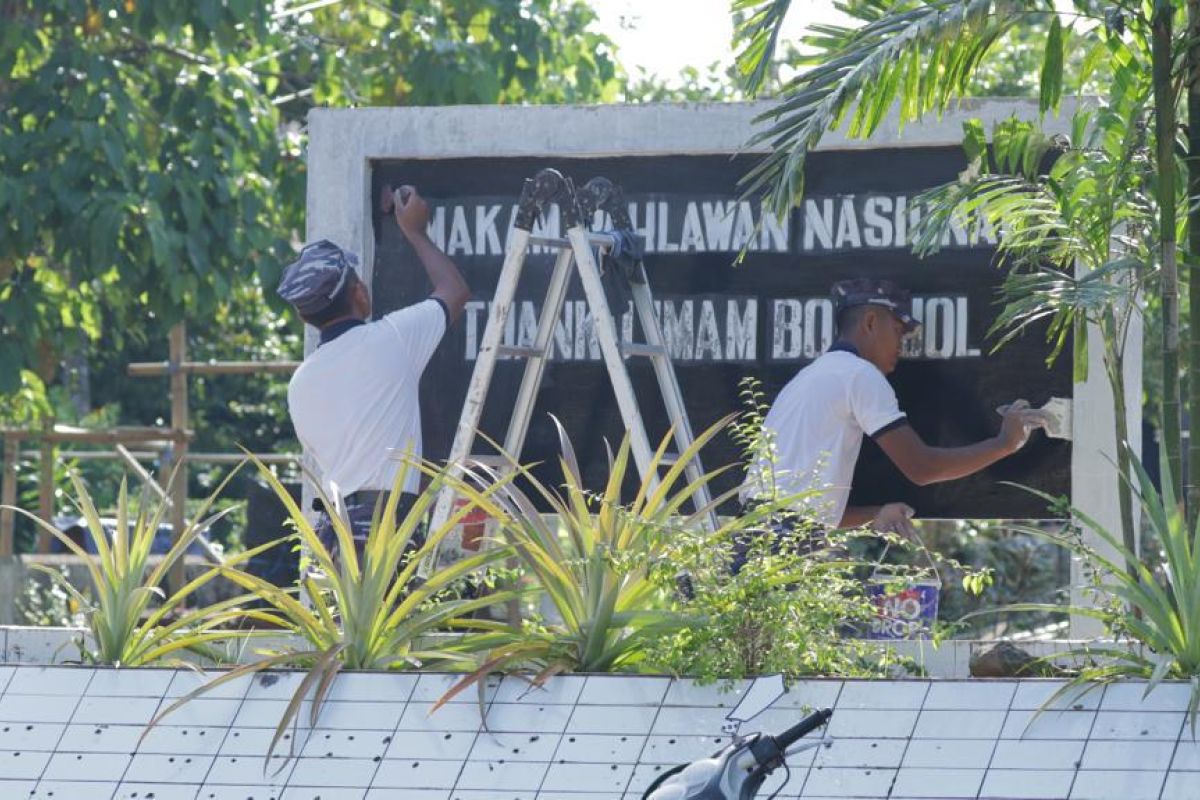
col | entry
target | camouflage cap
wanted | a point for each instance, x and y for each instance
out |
(869, 291)
(312, 281)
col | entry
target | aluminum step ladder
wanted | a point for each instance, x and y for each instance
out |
(574, 255)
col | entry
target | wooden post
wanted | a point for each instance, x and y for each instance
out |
(8, 492)
(46, 460)
(179, 424)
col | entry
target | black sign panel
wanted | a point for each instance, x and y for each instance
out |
(766, 317)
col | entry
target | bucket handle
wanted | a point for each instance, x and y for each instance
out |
(881, 570)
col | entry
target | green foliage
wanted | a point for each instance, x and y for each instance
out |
(1152, 616)
(44, 602)
(443, 52)
(127, 627)
(1077, 238)
(595, 571)
(1080, 238)
(791, 609)
(758, 26)
(151, 157)
(709, 84)
(112, 192)
(1002, 567)
(771, 592)
(368, 612)
(921, 54)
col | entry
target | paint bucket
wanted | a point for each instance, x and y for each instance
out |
(905, 607)
(472, 527)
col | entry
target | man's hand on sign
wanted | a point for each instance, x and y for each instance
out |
(412, 212)
(894, 518)
(1019, 422)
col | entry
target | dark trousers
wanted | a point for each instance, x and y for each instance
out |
(781, 527)
(361, 508)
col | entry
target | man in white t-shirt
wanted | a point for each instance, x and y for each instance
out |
(354, 401)
(816, 424)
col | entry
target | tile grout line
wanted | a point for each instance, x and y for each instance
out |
(1087, 741)
(566, 727)
(228, 728)
(133, 755)
(1008, 709)
(391, 738)
(650, 732)
(74, 711)
(908, 739)
(813, 764)
(1175, 750)
(480, 727)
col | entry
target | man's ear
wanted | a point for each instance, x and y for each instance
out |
(364, 296)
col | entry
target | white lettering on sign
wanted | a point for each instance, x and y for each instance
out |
(702, 330)
(682, 224)
(741, 330)
(853, 222)
(802, 329)
(695, 329)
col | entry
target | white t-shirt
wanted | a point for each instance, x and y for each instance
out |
(816, 427)
(354, 400)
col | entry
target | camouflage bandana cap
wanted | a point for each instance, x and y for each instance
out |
(312, 281)
(868, 291)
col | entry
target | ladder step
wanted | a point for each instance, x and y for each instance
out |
(601, 240)
(668, 460)
(519, 352)
(642, 349)
(493, 460)
(549, 241)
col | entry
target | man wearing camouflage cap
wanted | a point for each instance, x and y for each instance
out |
(354, 399)
(816, 424)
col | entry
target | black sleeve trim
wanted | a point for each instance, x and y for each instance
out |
(445, 309)
(891, 426)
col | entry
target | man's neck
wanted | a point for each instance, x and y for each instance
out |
(335, 328)
(845, 346)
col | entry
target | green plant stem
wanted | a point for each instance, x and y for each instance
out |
(1193, 280)
(1116, 382)
(1164, 126)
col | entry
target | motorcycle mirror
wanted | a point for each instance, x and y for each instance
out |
(760, 696)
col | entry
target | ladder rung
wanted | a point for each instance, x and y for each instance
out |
(494, 460)
(601, 240)
(549, 241)
(519, 352)
(642, 349)
(668, 460)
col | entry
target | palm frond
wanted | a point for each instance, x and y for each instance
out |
(920, 57)
(1156, 613)
(1062, 299)
(758, 35)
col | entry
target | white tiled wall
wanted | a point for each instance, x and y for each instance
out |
(79, 734)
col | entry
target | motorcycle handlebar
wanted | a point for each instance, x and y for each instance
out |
(803, 728)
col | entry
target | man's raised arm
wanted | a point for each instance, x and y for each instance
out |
(923, 464)
(412, 215)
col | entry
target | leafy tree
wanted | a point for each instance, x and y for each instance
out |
(151, 171)
(441, 52)
(710, 84)
(148, 164)
(139, 162)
